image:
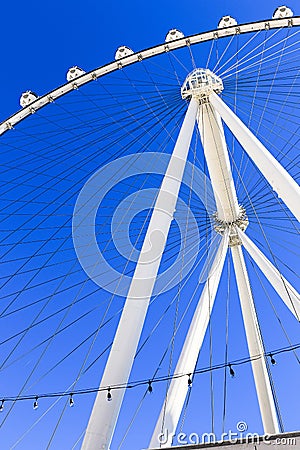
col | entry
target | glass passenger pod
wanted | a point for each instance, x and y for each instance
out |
(227, 21)
(27, 98)
(282, 12)
(122, 52)
(74, 72)
(173, 34)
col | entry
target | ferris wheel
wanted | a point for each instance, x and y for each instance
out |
(150, 240)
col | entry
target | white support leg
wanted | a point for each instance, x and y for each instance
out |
(276, 175)
(216, 154)
(104, 415)
(255, 345)
(170, 413)
(283, 288)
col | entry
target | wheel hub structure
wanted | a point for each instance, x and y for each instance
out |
(200, 84)
(241, 222)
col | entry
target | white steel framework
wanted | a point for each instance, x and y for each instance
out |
(207, 108)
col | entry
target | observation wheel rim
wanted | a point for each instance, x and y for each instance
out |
(138, 56)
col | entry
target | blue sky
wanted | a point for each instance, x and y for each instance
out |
(40, 42)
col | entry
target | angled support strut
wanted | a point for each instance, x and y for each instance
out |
(283, 288)
(118, 367)
(255, 344)
(280, 180)
(170, 413)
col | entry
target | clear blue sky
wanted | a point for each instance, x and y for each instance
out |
(40, 41)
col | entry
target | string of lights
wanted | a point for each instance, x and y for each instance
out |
(148, 382)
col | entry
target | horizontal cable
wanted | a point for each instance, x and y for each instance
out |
(145, 382)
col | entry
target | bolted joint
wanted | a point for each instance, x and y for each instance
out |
(234, 238)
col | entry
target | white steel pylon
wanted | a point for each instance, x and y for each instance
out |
(105, 414)
(255, 344)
